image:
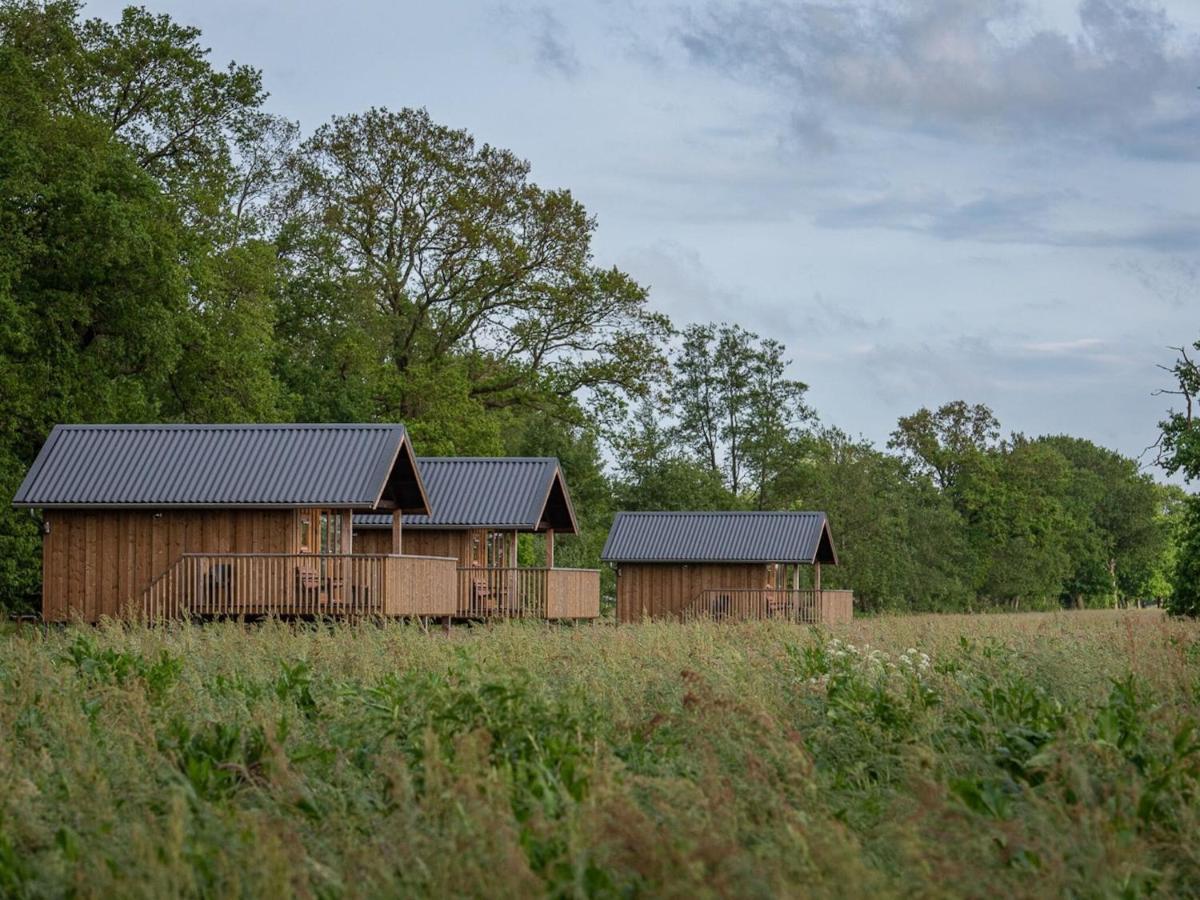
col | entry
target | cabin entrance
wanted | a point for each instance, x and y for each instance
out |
(323, 536)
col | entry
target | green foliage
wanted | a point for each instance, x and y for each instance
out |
(1185, 599)
(455, 251)
(901, 544)
(734, 408)
(1060, 752)
(1179, 443)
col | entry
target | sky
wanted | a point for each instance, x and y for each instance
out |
(989, 200)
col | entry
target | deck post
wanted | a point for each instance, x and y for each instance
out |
(396, 534)
(549, 548)
(817, 576)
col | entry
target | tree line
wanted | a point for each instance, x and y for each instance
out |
(169, 251)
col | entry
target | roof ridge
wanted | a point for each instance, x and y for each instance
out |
(721, 512)
(553, 459)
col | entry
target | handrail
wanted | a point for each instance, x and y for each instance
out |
(746, 604)
(317, 556)
(306, 584)
(533, 592)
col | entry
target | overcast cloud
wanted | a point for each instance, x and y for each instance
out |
(990, 200)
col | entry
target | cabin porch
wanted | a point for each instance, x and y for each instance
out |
(303, 584)
(814, 606)
(365, 585)
(514, 592)
(491, 583)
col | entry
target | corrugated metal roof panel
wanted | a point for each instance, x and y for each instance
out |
(212, 465)
(727, 537)
(480, 492)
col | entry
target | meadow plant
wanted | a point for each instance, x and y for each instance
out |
(1039, 754)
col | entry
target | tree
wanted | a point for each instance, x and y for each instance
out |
(460, 254)
(1178, 444)
(733, 407)
(943, 443)
(900, 543)
(657, 474)
(1185, 597)
(1179, 451)
(1114, 530)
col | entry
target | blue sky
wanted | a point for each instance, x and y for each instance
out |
(989, 200)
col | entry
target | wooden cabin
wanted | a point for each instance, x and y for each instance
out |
(479, 507)
(169, 520)
(724, 565)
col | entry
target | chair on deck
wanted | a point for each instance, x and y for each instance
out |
(779, 604)
(219, 589)
(308, 586)
(482, 597)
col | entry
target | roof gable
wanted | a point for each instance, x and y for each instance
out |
(512, 493)
(355, 466)
(720, 537)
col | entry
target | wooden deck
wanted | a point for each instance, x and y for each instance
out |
(528, 593)
(363, 585)
(302, 584)
(740, 605)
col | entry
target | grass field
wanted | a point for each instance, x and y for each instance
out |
(1021, 755)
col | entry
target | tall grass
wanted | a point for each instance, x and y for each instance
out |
(1041, 754)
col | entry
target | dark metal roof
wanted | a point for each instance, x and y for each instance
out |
(516, 493)
(223, 465)
(723, 537)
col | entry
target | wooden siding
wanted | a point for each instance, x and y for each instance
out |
(837, 607)
(528, 593)
(573, 594)
(421, 586)
(658, 591)
(96, 563)
(424, 542)
(710, 590)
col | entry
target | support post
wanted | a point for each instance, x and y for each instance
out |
(549, 548)
(816, 576)
(397, 542)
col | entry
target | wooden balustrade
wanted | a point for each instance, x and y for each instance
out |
(528, 593)
(359, 585)
(742, 604)
(302, 584)
(573, 594)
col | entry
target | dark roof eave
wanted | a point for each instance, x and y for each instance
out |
(356, 506)
(740, 561)
(450, 526)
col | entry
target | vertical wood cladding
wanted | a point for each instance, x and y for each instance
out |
(95, 562)
(662, 590)
(459, 544)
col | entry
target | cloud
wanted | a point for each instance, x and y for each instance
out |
(553, 49)
(1175, 280)
(679, 281)
(1029, 217)
(1125, 77)
(1065, 348)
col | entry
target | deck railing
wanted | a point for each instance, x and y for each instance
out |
(303, 584)
(745, 604)
(528, 593)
